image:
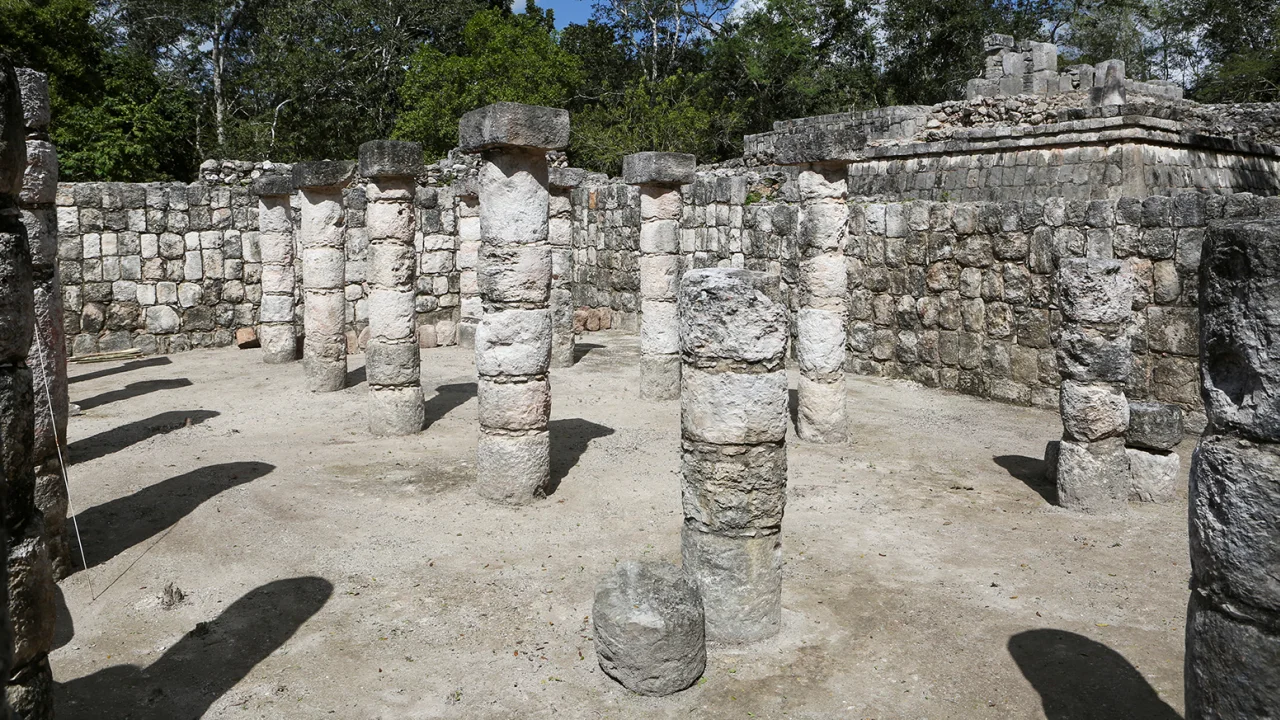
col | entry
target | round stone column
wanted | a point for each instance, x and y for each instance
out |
(823, 315)
(26, 629)
(1233, 618)
(391, 358)
(560, 234)
(513, 338)
(1095, 297)
(276, 331)
(733, 421)
(659, 176)
(322, 236)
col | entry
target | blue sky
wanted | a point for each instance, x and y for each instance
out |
(567, 11)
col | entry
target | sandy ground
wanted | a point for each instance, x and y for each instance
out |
(326, 572)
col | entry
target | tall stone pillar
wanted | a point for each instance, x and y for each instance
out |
(513, 339)
(391, 358)
(470, 308)
(733, 420)
(276, 331)
(324, 271)
(659, 176)
(1233, 618)
(1095, 297)
(29, 590)
(560, 234)
(48, 355)
(823, 316)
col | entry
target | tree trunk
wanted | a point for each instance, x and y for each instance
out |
(218, 102)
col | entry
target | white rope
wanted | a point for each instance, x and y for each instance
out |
(62, 465)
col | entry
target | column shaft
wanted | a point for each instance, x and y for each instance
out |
(823, 316)
(323, 241)
(560, 235)
(276, 331)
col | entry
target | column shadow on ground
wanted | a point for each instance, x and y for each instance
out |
(1081, 679)
(119, 438)
(117, 525)
(205, 664)
(1031, 472)
(569, 440)
(583, 349)
(130, 366)
(354, 377)
(132, 390)
(446, 399)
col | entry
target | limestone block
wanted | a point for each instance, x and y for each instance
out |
(1093, 477)
(1093, 411)
(1154, 425)
(33, 88)
(660, 203)
(660, 277)
(40, 177)
(524, 405)
(660, 377)
(513, 469)
(820, 341)
(659, 328)
(514, 274)
(162, 320)
(324, 315)
(392, 313)
(323, 268)
(273, 186)
(733, 408)
(275, 309)
(649, 627)
(1230, 664)
(388, 363)
(1095, 291)
(320, 174)
(660, 236)
(821, 183)
(1088, 355)
(395, 411)
(390, 158)
(1153, 476)
(277, 279)
(822, 225)
(821, 413)
(816, 144)
(735, 489)
(513, 208)
(513, 342)
(731, 314)
(279, 343)
(659, 168)
(514, 125)
(389, 220)
(31, 593)
(740, 580)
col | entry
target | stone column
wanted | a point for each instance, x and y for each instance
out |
(1233, 618)
(324, 272)
(276, 329)
(513, 338)
(391, 358)
(469, 306)
(560, 234)
(29, 590)
(48, 355)
(823, 315)
(1095, 297)
(733, 420)
(659, 176)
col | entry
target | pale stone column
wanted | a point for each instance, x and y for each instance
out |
(26, 630)
(560, 234)
(48, 355)
(1095, 297)
(1233, 618)
(733, 420)
(276, 331)
(470, 308)
(391, 358)
(513, 339)
(324, 271)
(659, 176)
(823, 317)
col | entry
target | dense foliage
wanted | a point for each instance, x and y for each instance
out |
(144, 89)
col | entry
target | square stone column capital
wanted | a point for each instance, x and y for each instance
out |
(272, 186)
(322, 174)
(659, 168)
(508, 125)
(391, 158)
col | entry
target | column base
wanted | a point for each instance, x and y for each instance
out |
(279, 344)
(467, 332)
(740, 579)
(1232, 667)
(821, 416)
(325, 375)
(1093, 476)
(30, 691)
(660, 377)
(396, 410)
(513, 469)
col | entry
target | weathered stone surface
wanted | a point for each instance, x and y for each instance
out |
(16, 291)
(396, 410)
(1154, 425)
(817, 144)
(515, 274)
(514, 342)
(733, 408)
(513, 208)
(659, 328)
(1093, 476)
(514, 405)
(1093, 411)
(1153, 475)
(1230, 664)
(820, 342)
(660, 377)
(514, 125)
(323, 174)
(740, 580)
(33, 86)
(820, 415)
(513, 469)
(273, 185)
(735, 489)
(729, 314)
(1095, 291)
(391, 363)
(13, 148)
(649, 627)
(659, 168)
(1088, 355)
(390, 158)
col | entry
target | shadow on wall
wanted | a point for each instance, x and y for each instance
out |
(115, 526)
(569, 440)
(117, 439)
(132, 390)
(206, 663)
(158, 361)
(1080, 679)
(1030, 471)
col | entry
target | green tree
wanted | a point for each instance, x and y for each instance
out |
(508, 58)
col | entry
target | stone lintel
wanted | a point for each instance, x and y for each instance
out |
(514, 125)
(391, 158)
(323, 173)
(273, 185)
(659, 168)
(810, 145)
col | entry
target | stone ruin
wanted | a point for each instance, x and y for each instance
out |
(1073, 239)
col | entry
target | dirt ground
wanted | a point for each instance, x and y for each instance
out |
(313, 570)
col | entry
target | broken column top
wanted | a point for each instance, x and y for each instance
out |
(391, 158)
(514, 125)
(273, 185)
(323, 173)
(731, 314)
(34, 87)
(565, 178)
(1094, 290)
(659, 168)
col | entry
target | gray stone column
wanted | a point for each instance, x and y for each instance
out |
(733, 420)
(1233, 618)
(391, 358)
(823, 315)
(48, 355)
(1095, 297)
(560, 234)
(324, 272)
(276, 331)
(470, 308)
(659, 176)
(29, 590)
(513, 339)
